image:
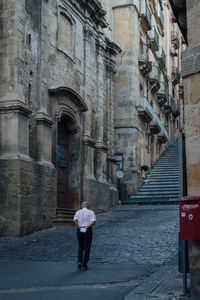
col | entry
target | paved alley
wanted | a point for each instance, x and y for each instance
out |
(131, 244)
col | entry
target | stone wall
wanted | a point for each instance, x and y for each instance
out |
(28, 197)
(191, 76)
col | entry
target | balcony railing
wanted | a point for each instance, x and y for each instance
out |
(162, 18)
(163, 136)
(176, 75)
(162, 93)
(175, 39)
(175, 109)
(145, 16)
(145, 110)
(155, 125)
(145, 65)
(154, 39)
(169, 105)
(154, 78)
(162, 58)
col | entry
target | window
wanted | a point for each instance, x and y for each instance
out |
(66, 34)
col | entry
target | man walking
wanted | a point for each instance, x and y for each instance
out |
(84, 219)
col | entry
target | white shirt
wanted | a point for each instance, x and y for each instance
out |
(84, 217)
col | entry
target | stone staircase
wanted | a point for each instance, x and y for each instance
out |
(64, 217)
(162, 183)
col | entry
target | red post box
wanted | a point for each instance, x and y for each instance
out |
(190, 218)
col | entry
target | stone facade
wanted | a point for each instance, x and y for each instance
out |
(191, 76)
(56, 111)
(148, 106)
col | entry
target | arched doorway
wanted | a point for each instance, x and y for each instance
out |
(67, 107)
(63, 137)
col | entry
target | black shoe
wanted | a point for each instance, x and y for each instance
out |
(85, 267)
(79, 265)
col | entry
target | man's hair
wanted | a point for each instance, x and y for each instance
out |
(85, 204)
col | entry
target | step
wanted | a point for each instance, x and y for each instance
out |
(151, 189)
(154, 196)
(62, 222)
(161, 185)
(159, 194)
(162, 175)
(172, 172)
(154, 200)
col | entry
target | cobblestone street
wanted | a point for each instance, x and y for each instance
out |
(130, 243)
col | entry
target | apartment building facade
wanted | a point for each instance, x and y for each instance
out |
(148, 104)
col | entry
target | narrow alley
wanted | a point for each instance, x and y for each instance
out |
(134, 249)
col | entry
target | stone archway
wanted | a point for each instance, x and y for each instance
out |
(67, 107)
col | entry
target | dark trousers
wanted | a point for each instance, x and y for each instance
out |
(84, 241)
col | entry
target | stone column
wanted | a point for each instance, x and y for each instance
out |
(110, 120)
(44, 139)
(88, 158)
(88, 143)
(101, 163)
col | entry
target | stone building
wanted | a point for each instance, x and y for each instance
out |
(147, 83)
(187, 15)
(56, 111)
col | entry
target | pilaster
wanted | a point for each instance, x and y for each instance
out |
(44, 138)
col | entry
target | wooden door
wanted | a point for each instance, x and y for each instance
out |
(62, 166)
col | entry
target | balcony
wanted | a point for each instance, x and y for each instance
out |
(175, 39)
(169, 104)
(163, 136)
(181, 87)
(154, 79)
(145, 65)
(145, 16)
(162, 93)
(176, 75)
(162, 58)
(155, 126)
(161, 18)
(154, 39)
(145, 110)
(175, 110)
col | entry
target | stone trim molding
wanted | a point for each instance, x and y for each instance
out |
(63, 90)
(94, 8)
(17, 106)
(190, 61)
(87, 140)
(66, 111)
(42, 118)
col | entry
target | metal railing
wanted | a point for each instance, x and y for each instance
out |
(159, 122)
(163, 56)
(156, 37)
(162, 17)
(148, 13)
(174, 35)
(155, 73)
(164, 89)
(165, 133)
(144, 10)
(175, 71)
(146, 106)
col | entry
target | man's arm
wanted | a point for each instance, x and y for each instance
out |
(91, 224)
(76, 223)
